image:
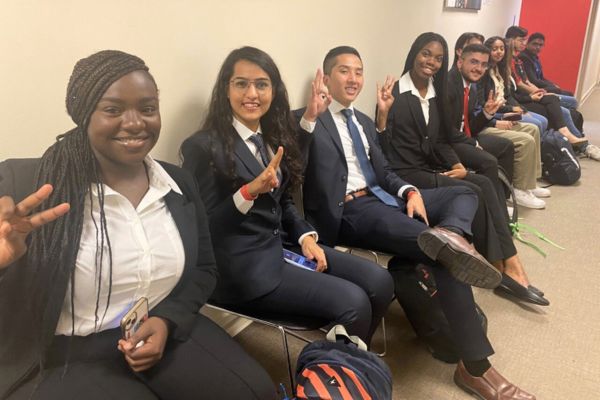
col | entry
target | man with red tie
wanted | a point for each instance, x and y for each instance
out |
(473, 114)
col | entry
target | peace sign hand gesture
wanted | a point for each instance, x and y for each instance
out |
(384, 101)
(319, 98)
(16, 223)
(267, 180)
(491, 106)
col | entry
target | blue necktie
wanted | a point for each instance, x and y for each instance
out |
(365, 164)
(260, 145)
(262, 150)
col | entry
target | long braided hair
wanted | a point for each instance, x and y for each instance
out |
(277, 124)
(71, 167)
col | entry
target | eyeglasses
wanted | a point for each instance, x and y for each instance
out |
(476, 63)
(241, 84)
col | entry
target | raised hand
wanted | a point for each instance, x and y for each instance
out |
(384, 101)
(16, 223)
(319, 98)
(491, 106)
(267, 180)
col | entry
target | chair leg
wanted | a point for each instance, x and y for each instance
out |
(382, 354)
(287, 358)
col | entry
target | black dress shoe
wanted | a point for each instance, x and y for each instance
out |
(510, 286)
(535, 290)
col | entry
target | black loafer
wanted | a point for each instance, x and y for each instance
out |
(510, 286)
(535, 290)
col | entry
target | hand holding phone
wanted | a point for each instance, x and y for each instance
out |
(134, 318)
(299, 261)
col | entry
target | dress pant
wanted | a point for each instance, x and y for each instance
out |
(369, 223)
(528, 158)
(209, 365)
(491, 234)
(352, 291)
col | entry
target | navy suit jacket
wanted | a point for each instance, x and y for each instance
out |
(248, 247)
(411, 145)
(326, 174)
(19, 347)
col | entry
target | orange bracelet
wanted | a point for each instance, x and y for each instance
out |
(411, 193)
(246, 194)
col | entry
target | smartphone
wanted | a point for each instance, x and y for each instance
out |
(298, 260)
(512, 117)
(134, 318)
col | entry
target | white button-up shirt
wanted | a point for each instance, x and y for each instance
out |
(147, 256)
(407, 85)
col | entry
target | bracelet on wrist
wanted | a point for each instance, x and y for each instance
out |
(246, 194)
(411, 193)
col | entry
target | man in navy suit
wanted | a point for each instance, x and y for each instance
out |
(352, 197)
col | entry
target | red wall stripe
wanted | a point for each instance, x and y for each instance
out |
(564, 23)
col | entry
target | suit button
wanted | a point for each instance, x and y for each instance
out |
(426, 137)
(343, 178)
(273, 210)
(275, 231)
(340, 204)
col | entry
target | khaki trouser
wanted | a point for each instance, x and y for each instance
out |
(528, 161)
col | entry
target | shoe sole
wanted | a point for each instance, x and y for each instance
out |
(464, 267)
(467, 389)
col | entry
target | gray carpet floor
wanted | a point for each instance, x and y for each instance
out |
(552, 351)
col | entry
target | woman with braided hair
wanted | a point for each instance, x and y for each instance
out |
(117, 226)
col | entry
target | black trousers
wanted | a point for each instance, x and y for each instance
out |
(352, 291)
(209, 365)
(369, 223)
(549, 107)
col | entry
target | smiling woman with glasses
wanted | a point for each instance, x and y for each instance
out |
(247, 162)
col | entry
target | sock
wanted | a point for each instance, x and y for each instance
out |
(477, 368)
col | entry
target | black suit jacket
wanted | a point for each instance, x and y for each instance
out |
(410, 145)
(477, 119)
(326, 174)
(19, 348)
(248, 247)
(487, 83)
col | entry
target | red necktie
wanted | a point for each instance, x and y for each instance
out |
(466, 128)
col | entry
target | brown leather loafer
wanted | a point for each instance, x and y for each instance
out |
(491, 386)
(460, 257)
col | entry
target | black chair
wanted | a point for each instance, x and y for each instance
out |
(286, 324)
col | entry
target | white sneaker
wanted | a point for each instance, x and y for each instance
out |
(510, 210)
(526, 199)
(541, 192)
(593, 152)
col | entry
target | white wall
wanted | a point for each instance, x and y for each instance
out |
(185, 41)
(589, 76)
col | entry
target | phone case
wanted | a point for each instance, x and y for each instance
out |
(299, 261)
(134, 318)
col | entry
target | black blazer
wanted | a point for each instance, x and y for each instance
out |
(410, 145)
(487, 83)
(248, 247)
(326, 174)
(19, 350)
(477, 119)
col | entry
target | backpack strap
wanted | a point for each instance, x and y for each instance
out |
(338, 332)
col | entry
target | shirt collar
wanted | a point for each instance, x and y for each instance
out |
(465, 83)
(336, 107)
(243, 130)
(158, 179)
(406, 84)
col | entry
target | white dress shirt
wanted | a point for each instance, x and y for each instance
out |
(147, 256)
(356, 178)
(242, 204)
(406, 84)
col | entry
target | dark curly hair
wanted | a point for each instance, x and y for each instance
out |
(278, 125)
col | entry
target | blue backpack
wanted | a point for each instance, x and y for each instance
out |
(559, 162)
(341, 368)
